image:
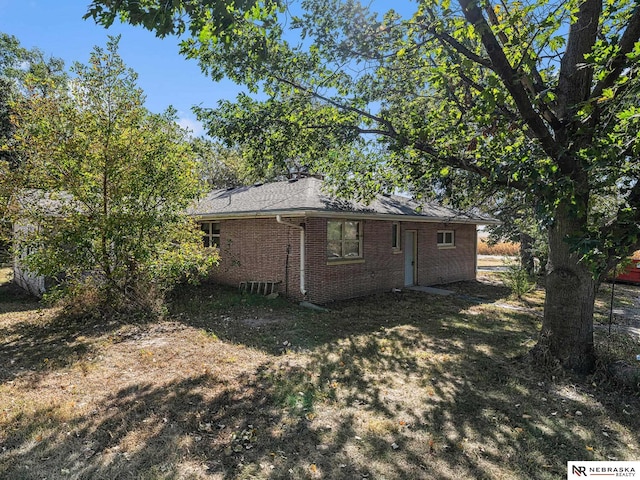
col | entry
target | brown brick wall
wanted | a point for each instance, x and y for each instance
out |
(445, 265)
(256, 249)
(381, 270)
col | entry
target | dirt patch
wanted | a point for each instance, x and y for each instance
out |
(259, 322)
(626, 306)
(633, 332)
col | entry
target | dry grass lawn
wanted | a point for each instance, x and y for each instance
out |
(395, 386)
(5, 275)
(496, 260)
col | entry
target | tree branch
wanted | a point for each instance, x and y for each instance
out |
(479, 88)
(510, 77)
(618, 63)
(460, 48)
(336, 104)
(469, 166)
(533, 87)
(574, 81)
(451, 160)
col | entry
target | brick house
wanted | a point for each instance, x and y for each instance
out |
(292, 237)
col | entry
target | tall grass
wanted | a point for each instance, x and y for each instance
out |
(502, 248)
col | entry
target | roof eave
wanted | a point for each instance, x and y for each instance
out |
(292, 213)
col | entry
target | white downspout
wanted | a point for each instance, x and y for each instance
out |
(301, 228)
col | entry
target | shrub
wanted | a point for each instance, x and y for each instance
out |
(518, 280)
(110, 221)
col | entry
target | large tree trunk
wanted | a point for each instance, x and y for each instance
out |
(567, 328)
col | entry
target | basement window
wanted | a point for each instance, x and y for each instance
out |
(344, 239)
(211, 230)
(446, 239)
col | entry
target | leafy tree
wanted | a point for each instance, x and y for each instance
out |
(214, 18)
(220, 166)
(116, 181)
(537, 96)
(17, 66)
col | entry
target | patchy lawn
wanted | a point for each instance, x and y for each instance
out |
(395, 386)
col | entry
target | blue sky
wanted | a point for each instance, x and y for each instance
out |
(56, 27)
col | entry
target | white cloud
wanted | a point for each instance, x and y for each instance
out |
(193, 125)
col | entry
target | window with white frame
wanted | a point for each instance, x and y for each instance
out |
(446, 238)
(344, 239)
(211, 230)
(395, 236)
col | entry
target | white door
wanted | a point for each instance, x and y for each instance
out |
(409, 257)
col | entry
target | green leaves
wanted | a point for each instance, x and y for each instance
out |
(459, 100)
(115, 182)
(213, 19)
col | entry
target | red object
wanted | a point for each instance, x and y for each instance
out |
(631, 274)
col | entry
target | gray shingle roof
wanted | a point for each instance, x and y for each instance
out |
(305, 197)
